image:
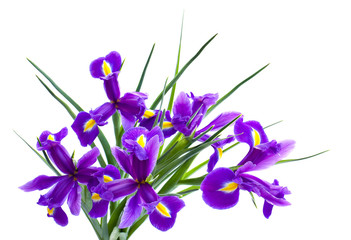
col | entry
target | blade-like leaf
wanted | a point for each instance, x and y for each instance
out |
(299, 159)
(171, 99)
(69, 110)
(175, 79)
(144, 71)
(114, 219)
(233, 90)
(69, 99)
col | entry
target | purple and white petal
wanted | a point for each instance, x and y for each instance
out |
(86, 128)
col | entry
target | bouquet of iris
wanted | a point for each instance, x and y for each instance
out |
(141, 174)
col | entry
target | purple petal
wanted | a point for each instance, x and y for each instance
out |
(86, 132)
(119, 188)
(156, 131)
(39, 183)
(111, 87)
(204, 102)
(124, 160)
(61, 158)
(96, 70)
(59, 216)
(113, 59)
(152, 148)
(267, 209)
(74, 199)
(102, 113)
(99, 208)
(213, 160)
(147, 193)
(88, 159)
(131, 212)
(58, 194)
(48, 139)
(165, 213)
(250, 132)
(182, 105)
(213, 183)
(86, 174)
(129, 141)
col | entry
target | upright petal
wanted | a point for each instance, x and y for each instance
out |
(48, 139)
(88, 159)
(182, 105)
(111, 87)
(250, 132)
(61, 159)
(119, 188)
(86, 128)
(204, 102)
(103, 66)
(124, 160)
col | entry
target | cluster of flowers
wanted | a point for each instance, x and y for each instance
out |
(138, 157)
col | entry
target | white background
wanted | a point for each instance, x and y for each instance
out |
(306, 85)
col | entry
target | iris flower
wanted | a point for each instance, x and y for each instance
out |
(162, 210)
(149, 119)
(221, 187)
(131, 106)
(63, 187)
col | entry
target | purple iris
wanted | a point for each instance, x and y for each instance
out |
(103, 175)
(131, 106)
(64, 187)
(186, 106)
(221, 186)
(149, 119)
(162, 210)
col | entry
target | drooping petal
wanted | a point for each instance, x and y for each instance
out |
(131, 212)
(39, 183)
(156, 131)
(86, 128)
(74, 199)
(134, 140)
(267, 154)
(250, 132)
(115, 61)
(204, 102)
(165, 213)
(48, 139)
(147, 193)
(152, 148)
(99, 69)
(220, 189)
(58, 194)
(58, 215)
(88, 159)
(124, 160)
(100, 206)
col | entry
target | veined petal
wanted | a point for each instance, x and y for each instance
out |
(61, 159)
(100, 206)
(102, 113)
(124, 160)
(214, 159)
(152, 148)
(220, 189)
(113, 62)
(165, 213)
(204, 102)
(119, 188)
(39, 183)
(74, 199)
(182, 105)
(147, 193)
(111, 87)
(131, 212)
(250, 132)
(88, 159)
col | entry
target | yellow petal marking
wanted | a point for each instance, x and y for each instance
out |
(257, 138)
(163, 210)
(107, 179)
(220, 152)
(95, 197)
(167, 125)
(51, 211)
(148, 114)
(230, 187)
(89, 125)
(141, 140)
(106, 68)
(50, 137)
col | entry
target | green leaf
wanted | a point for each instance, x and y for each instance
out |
(137, 224)
(193, 181)
(68, 98)
(46, 161)
(171, 99)
(232, 91)
(299, 159)
(188, 190)
(114, 219)
(175, 79)
(116, 119)
(253, 199)
(144, 71)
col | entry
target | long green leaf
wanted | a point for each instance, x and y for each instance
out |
(69, 110)
(69, 99)
(171, 99)
(299, 159)
(136, 225)
(233, 90)
(144, 71)
(114, 219)
(175, 79)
